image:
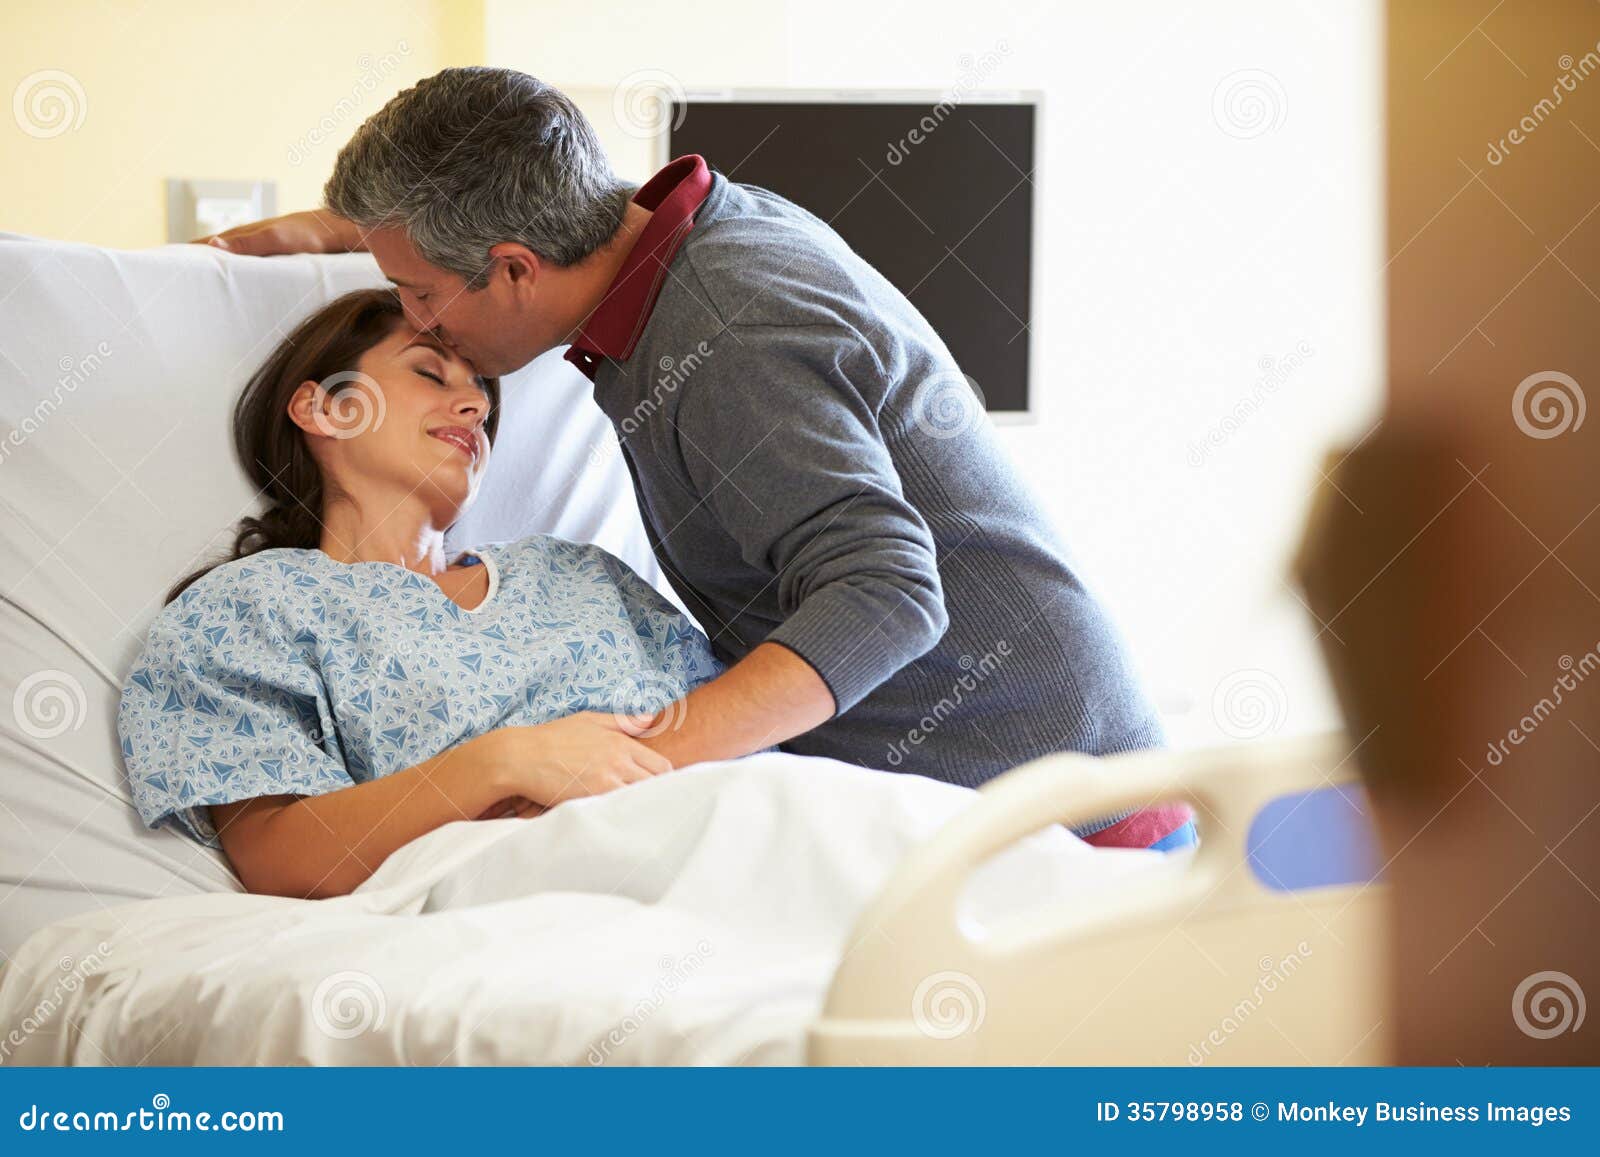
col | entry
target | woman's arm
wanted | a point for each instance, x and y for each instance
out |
(317, 846)
(313, 847)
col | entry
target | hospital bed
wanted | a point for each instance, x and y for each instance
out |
(960, 928)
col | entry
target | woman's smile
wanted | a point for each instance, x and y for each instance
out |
(461, 438)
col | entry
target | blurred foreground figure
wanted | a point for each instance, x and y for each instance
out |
(1451, 629)
(1454, 561)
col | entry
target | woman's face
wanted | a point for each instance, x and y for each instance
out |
(407, 421)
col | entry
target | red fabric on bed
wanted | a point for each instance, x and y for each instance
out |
(1143, 828)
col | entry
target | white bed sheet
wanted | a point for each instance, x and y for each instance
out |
(696, 918)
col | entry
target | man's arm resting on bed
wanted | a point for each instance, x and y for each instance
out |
(312, 231)
(770, 695)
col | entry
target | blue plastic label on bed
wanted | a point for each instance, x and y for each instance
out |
(1314, 839)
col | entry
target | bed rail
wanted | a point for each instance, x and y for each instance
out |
(1209, 960)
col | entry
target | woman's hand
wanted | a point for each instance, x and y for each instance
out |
(314, 231)
(583, 754)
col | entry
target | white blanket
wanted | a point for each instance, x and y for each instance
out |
(696, 918)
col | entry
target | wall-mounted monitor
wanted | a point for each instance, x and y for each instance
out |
(935, 190)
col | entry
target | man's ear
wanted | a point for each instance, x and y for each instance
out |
(518, 264)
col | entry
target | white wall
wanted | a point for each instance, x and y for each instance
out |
(1209, 321)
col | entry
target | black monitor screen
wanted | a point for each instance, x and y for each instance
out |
(939, 197)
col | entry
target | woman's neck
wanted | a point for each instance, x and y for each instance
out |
(406, 536)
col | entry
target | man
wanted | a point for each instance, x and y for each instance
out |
(885, 588)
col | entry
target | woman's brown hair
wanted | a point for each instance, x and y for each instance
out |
(273, 450)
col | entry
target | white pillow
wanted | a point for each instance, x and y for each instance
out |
(118, 375)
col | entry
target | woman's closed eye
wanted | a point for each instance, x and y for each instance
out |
(433, 376)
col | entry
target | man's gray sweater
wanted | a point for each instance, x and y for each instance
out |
(812, 471)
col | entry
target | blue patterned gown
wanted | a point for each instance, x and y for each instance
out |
(290, 673)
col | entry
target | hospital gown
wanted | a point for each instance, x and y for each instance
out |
(288, 672)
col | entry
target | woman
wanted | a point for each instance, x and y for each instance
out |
(340, 687)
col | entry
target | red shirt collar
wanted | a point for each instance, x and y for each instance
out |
(673, 196)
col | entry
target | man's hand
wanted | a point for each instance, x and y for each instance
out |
(313, 231)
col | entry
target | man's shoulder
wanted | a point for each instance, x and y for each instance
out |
(760, 259)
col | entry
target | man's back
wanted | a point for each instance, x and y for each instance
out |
(812, 466)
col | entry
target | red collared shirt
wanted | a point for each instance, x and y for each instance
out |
(673, 196)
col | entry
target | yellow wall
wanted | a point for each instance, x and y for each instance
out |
(221, 89)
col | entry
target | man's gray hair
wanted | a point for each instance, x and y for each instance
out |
(471, 157)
